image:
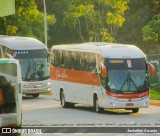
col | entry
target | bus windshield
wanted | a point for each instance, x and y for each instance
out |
(127, 77)
(34, 65)
(127, 81)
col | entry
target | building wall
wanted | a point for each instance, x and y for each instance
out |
(7, 7)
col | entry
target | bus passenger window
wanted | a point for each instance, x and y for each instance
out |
(56, 58)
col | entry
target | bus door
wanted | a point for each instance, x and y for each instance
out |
(10, 94)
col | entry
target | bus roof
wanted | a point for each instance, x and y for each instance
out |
(108, 50)
(21, 43)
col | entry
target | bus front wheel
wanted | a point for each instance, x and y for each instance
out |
(97, 108)
(135, 110)
(35, 95)
(63, 101)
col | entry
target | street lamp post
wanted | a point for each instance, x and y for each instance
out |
(45, 22)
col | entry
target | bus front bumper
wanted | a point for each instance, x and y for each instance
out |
(36, 90)
(114, 103)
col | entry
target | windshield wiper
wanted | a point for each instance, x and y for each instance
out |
(129, 80)
(28, 69)
(124, 83)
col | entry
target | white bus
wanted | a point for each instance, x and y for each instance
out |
(104, 75)
(10, 94)
(33, 57)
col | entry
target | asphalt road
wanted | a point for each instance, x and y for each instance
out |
(44, 111)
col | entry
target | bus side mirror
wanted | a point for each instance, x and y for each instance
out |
(104, 70)
(152, 69)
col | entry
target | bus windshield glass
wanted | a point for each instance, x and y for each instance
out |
(34, 64)
(127, 76)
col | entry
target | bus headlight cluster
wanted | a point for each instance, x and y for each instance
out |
(113, 104)
(49, 89)
(48, 83)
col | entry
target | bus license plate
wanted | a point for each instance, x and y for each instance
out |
(34, 90)
(129, 104)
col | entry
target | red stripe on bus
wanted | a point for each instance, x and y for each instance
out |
(126, 96)
(74, 76)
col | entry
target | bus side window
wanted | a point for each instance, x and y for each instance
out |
(52, 57)
(102, 79)
(65, 59)
(6, 52)
(69, 60)
(73, 61)
(55, 64)
(92, 62)
(62, 58)
(78, 65)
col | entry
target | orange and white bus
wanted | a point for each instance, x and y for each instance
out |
(104, 75)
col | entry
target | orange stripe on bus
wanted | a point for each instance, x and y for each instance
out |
(126, 96)
(74, 76)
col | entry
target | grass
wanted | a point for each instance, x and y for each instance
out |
(155, 94)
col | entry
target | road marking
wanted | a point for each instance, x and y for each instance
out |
(33, 107)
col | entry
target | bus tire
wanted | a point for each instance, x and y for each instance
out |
(96, 105)
(135, 110)
(63, 102)
(35, 95)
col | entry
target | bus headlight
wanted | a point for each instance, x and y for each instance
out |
(146, 104)
(113, 104)
(48, 83)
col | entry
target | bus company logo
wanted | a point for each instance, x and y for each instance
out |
(61, 74)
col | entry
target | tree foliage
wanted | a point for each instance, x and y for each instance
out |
(98, 20)
(151, 32)
(132, 22)
(27, 21)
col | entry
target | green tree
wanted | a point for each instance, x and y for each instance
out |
(95, 20)
(27, 21)
(151, 31)
(140, 13)
(58, 32)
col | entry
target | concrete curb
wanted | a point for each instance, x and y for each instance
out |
(157, 103)
(47, 93)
